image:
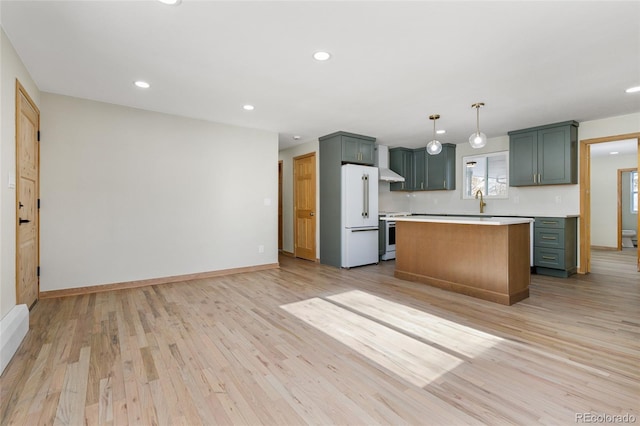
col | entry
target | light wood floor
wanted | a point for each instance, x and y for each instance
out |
(309, 344)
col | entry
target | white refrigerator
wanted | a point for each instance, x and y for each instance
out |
(359, 215)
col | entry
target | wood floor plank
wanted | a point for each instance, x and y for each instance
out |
(311, 344)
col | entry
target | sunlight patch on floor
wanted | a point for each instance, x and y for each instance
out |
(407, 341)
(413, 360)
(464, 340)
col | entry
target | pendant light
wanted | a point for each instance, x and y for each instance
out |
(477, 139)
(434, 147)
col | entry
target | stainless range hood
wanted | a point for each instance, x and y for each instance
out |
(384, 172)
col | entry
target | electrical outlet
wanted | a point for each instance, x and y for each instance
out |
(260, 249)
(558, 199)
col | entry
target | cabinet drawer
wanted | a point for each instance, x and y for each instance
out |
(549, 258)
(549, 237)
(550, 222)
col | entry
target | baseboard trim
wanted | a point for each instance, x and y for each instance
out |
(604, 248)
(13, 329)
(153, 281)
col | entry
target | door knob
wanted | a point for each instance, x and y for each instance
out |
(21, 221)
(312, 214)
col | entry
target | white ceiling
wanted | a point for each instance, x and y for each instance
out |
(394, 63)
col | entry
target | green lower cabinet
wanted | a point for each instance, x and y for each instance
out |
(555, 246)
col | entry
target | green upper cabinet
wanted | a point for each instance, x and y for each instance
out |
(441, 169)
(545, 155)
(424, 172)
(401, 162)
(358, 149)
(419, 169)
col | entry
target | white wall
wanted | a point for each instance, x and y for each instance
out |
(287, 156)
(11, 68)
(620, 125)
(129, 194)
(604, 197)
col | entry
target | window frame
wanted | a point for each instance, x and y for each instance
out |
(633, 194)
(484, 157)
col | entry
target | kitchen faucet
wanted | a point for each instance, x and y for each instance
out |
(482, 203)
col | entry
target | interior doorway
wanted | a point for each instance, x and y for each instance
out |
(585, 197)
(304, 206)
(27, 198)
(624, 203)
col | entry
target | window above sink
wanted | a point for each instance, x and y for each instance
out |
(488, 173)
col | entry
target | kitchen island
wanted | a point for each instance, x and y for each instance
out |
(483, 257)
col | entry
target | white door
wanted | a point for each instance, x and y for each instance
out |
(359, 196)
(359, 246)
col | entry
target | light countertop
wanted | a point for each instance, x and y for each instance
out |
(465, 220)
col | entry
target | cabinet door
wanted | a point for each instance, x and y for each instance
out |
(523, 159)
(400, 161)
(358, 151)
(350, 149)
(554, 156)
(419, 175)
(367, 151)
(441, 169)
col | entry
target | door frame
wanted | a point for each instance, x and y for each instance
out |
(295, 215)
(280, 212)
(21, 90)
(585, 197)
(620, 172)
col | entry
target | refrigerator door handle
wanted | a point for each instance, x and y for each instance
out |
(365, 230)
(365, 198)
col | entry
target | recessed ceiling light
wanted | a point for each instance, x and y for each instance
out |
(441, 131)
(635, 89)
(321, 56)
(248, 107)
(614, 153)
(142, 84)
(296, 138)
(171, 2)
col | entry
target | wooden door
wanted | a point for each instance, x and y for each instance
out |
(27, 187)
(304, 202)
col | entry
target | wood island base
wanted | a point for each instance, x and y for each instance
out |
(490, 262)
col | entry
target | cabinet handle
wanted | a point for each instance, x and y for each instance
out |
(421, 185)
(548, 238)
(550, 222)
(534, 178)
(548, 258)
(444, 183)
(539, 178)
